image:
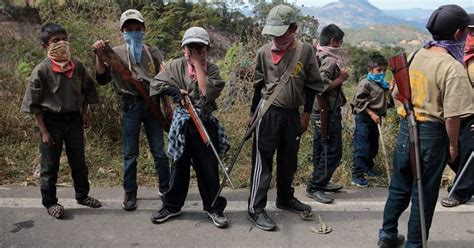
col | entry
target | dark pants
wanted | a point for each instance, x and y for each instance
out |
(322, 175)
(279, 130)
(403, 187)
(465, 188)
(135, 112)
(65, 129)
(366, 144)
(205, 165)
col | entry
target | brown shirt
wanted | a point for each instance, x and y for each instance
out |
(148, 67)
(176, 74)
(305, 74)
(329, 71)
(370, 95)
(54, 92)
(439, 86)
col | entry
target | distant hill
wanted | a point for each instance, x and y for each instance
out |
(379, 36)
(353, 14)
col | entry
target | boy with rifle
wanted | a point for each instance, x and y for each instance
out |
(194, 84)
(440, 94)
(286, 77)
(463, 191)
(144, 62)
(369, 104)
(326, 115)
(58, 93)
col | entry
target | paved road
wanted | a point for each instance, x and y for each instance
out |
(355, 218)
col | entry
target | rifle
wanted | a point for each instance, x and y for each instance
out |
(247, 135)
(399, 67)
(324, 127)
(204, 134)
(108, 55)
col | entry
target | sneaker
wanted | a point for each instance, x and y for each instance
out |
(90, 202)
(360, 182)
(162, 215)
(262, 220)
(129, 201)
(372, 173)
(293, 205)
(218, 219)
(389, 243)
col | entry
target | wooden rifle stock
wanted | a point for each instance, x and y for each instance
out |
(108, 55)
(400, 66)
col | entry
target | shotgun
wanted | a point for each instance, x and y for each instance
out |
(108, 55)
(399, 67)
(247, 135)
(188, 105)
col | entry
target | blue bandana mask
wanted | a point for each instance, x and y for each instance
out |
(134, 40)
(379, 78)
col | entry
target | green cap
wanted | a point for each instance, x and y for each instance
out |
(278, 20)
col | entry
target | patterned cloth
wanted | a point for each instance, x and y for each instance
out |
(176, 137)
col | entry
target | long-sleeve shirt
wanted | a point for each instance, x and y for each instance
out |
(54, 92)
(370, 95)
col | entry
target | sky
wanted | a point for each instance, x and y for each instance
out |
(397, 4)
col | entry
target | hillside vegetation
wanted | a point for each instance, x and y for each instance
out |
(235, 38)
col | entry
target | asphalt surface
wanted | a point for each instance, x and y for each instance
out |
(355, 218)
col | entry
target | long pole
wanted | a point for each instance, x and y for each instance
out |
(387, 168)
(466, 165)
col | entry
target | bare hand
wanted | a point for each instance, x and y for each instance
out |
(100, 44)
(453, 153)
(375, 117)
(47, 139)
(304, 120)
(85, 120)
(343, 75)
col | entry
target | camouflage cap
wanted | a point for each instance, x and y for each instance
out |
(278, 20)
(131, 14)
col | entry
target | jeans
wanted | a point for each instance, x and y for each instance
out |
(433, 142)
(322, 175)
(136, 112)
(366, 144)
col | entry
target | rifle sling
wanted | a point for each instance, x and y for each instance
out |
(281, 83)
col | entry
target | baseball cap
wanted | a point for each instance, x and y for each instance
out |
(196, 35)
(471, 20)
(278, 20)
(445, 20)
(131, 14)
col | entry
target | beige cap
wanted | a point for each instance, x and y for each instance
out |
(196, 35)
(131, 14)
(278, 20)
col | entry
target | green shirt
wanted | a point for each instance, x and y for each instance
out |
(176, 74)
(305, 74)
(330, 71)
(370, 95)
(54, 92)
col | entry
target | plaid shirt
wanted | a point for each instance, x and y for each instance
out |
(176, 137)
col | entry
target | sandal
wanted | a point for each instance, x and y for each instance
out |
(57, 211)
(90, 202)
(449, 202)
